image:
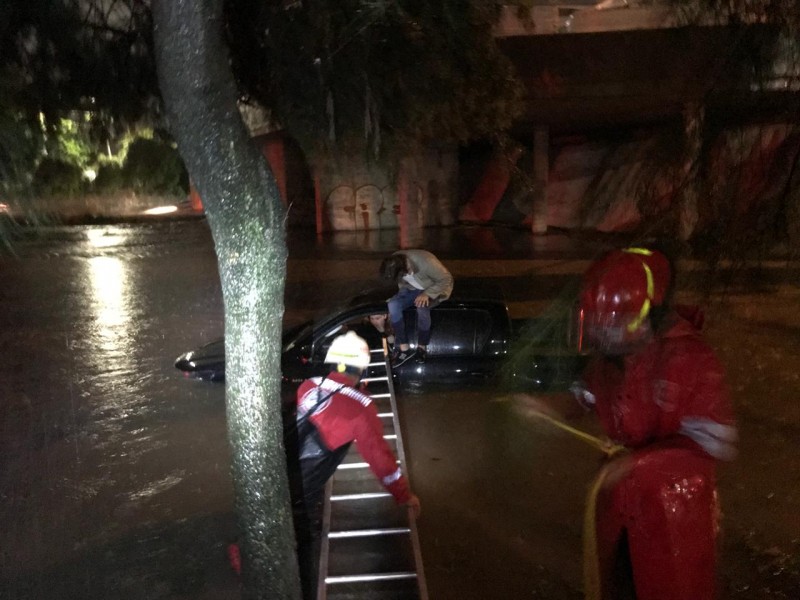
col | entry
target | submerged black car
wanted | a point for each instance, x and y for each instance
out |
(471, 336)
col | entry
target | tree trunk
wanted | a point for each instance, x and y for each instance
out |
(247, 221)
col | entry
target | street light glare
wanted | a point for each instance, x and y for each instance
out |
(161, 210)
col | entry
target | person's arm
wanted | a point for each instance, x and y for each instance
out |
(382, 461)
(708, 417)
(442, 280)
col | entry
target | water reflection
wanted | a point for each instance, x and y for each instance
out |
(110, 350)
(106, 237)
(109, 294)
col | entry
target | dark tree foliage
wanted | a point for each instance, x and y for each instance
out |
(73, 55)
(709, 158)
(376, 75)
(59, 57)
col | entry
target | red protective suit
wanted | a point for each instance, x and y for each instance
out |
(350, 415)
(668, 403)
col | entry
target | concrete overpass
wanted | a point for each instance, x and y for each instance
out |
(587, 64)
(613, 65)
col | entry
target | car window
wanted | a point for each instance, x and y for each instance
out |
(360, 324)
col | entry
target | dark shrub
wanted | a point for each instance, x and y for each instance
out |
(21, 142)
(57, 178)
(109, 179)
(154, 167)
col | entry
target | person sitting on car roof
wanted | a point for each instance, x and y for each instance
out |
(423, 282)
(332, 413)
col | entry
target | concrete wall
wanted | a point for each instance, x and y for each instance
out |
(598, 185)
(583, 17)
(355, 195)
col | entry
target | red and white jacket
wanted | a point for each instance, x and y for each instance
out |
(349, 415)
(672, 387)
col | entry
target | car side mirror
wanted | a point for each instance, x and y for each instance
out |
(304, 353)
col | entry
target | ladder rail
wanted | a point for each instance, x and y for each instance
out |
(324, 547)
(401, 455)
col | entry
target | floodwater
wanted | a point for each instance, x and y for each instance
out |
(114, 478)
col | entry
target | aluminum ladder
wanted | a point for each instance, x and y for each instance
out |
(370, 547)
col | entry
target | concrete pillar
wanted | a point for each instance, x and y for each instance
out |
(541, 170)
(318, 205)
(402, 200)
(273, 149)
(693, 122)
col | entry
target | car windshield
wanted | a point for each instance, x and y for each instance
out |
(294, 334)
(340, 316)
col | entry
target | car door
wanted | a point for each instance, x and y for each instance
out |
(460, 348)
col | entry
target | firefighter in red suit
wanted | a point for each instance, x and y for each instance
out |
(331, 414)
(659, 390)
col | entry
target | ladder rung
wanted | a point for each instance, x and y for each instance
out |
(380, 363)
(390, 436)
(375, 350)
(388, 415)
(357, 533)
(366, 379)
(380, 396)
(370, 577)
(364, 496)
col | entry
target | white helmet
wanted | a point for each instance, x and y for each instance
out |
(348, 350)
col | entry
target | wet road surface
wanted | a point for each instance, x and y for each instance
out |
(114, 475)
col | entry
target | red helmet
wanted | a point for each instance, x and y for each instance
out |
(617, 294)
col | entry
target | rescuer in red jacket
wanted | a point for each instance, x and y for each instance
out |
(332, 413)
(658, 390)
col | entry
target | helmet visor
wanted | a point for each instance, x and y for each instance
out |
(611, 332)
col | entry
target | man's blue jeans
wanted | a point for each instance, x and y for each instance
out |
(397, 304)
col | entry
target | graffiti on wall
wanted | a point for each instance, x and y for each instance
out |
(417, 192)
(368, 206)
(362, 208)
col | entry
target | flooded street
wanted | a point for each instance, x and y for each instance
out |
(114, 470)
(114, 474)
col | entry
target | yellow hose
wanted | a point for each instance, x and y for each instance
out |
(594, 441)
(592, 586)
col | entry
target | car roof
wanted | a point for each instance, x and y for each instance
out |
(373, 301)
(463, 291)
